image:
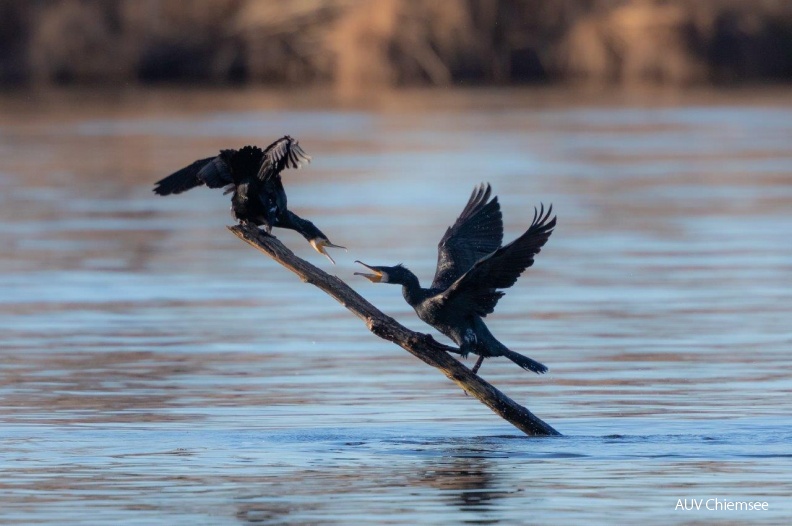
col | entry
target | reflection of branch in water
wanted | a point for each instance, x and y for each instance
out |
(262, 512)
(422, 346)
(469, 480)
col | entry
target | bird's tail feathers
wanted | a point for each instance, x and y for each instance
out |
(525, 362)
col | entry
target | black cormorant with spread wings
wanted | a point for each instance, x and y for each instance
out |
(471, 267)
(253, 175)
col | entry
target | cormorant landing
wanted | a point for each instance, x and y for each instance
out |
(471, 266)
(253, 175)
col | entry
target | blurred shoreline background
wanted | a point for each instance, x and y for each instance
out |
(357, 45)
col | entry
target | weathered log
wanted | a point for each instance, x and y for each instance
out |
(422, 346)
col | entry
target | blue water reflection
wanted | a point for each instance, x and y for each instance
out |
(157, 370)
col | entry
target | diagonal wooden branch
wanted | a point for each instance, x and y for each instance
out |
(422, 346)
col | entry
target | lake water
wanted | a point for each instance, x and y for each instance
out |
(156, 370)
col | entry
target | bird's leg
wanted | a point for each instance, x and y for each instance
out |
(478, 364)
(476, 367)
(273, 219)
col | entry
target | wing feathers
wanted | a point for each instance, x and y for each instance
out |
(477, 232)
(215, 174)
(182, 180)
(283, 153)
(501, 269)
(476, 289)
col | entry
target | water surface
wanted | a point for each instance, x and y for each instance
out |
(157, 370)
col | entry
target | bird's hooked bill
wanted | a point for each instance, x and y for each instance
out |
(374, 278)
(320, 245)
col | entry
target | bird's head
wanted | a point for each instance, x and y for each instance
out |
(321, 244)
(397, 275)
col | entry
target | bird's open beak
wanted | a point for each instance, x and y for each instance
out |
(374, 278)
(320, 245)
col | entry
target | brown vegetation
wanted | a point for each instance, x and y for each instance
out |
(361, 43)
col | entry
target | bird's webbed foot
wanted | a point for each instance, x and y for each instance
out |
(466, 348)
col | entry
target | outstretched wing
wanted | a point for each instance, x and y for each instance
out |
(478, 231)
(283, 153)
(475, 291)
(213, 172)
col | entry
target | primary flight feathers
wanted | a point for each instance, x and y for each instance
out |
(283, 153)
(477, 232)
(476, 288)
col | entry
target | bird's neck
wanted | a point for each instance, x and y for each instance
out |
(412, 291)
(302, 226)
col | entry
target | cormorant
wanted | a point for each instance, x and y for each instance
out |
(471, 266)
(253, 175)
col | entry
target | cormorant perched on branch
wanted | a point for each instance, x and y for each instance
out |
(254, 177)
(471, 266)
